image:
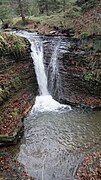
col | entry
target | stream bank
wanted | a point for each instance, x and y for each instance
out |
(17, 86)
(17, 95)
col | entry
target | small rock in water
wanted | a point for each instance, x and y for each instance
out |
(52, 32)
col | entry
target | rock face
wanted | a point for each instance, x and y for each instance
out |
(79, 64)
(17, 93)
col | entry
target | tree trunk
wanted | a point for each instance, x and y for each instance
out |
(46, 7)
(64, 5)
(43, 6)
(21, 12)
(64, 10)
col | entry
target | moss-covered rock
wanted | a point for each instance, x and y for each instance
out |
(11, 44)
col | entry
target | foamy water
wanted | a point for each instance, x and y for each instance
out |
(47, 103)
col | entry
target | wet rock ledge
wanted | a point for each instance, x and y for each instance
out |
(81, 73)
(17, 86)
(78, 82)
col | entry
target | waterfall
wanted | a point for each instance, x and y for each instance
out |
(54, 81)
(37, 56)
(44, 102)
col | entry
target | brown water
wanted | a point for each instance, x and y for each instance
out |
(54, 144)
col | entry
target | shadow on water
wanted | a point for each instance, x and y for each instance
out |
(54, 143)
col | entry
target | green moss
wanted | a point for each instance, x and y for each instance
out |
(93, 76)
(84, 35)
(1, 90)
(7, 138)
(11, 44)
(12, 85)
(17, 78)
(2, 39)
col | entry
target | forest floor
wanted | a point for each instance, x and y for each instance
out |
(74, 23)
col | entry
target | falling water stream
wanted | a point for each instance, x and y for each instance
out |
(56, 138)
(54, 81)
(44, 102)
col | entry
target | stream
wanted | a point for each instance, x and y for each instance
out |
(56, 137)
(54, 144)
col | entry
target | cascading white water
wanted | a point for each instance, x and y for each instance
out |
(37, 56)
(53, 72)
(44, 102)
(53, 62)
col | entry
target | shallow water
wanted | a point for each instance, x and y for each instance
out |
(55, 143)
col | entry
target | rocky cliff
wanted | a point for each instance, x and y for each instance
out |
(79, 63)
(17, 86)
